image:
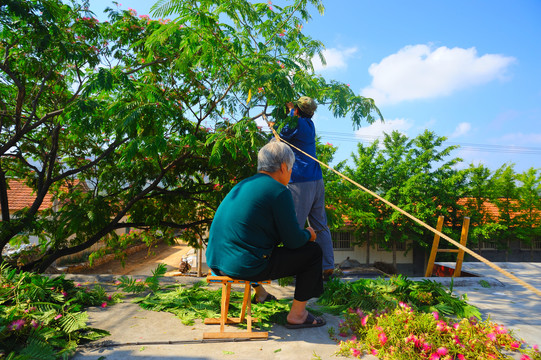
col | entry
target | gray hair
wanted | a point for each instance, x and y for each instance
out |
(272, 155)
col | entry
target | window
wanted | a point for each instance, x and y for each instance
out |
(536, 244)
(488, 245)
(342, 240)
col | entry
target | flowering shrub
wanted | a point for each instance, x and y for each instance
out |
(404, 333)
(379, 294)
(42, 317)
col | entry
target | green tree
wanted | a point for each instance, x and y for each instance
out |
(506, 199)
(412, 174)
(144, 123)
(480, 192)
(529, 217)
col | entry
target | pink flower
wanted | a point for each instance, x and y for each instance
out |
(17, 325)
(382, 338)
(515, 345)
(535, 347)
(138, 280)
(426, 347)
(364, 320)
(34, 324)
(441, 351)
(410, 338)
(58, 316)
(492, 336)
(103, 304)
(436, 315)
(355, 352)
(374, 352)
(441, 326)
(434, 356)
(525, 357)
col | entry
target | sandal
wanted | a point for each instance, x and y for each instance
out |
(308, 323)
(269, 297)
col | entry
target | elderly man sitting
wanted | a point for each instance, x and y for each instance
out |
(253, 219)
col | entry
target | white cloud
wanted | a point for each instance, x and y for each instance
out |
(336, 59)
(376, 130)
(461, 129)
(419, 72)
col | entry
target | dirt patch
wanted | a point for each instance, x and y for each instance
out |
(141, 262)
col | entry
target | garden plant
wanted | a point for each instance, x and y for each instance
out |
(44, 317)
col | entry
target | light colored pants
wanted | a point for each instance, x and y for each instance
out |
(309, 198)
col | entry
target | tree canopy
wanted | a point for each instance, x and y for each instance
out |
(421, 177)
(140, 122)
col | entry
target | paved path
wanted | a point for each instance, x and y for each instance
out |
(153, 335)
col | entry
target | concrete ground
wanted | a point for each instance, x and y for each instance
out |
(140, 334)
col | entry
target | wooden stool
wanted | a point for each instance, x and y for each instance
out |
(246, 310)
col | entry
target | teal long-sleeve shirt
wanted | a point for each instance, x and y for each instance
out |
(256, 216)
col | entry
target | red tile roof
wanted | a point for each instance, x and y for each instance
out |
(21, 196)
(490, 209)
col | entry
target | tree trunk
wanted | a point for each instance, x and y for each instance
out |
(394, 253)
(4, 205)
(368, 247)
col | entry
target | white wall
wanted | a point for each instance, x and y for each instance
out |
(359, 253)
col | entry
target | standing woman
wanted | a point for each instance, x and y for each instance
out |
(306, 182)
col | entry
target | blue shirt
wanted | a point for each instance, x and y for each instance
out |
(303, 136)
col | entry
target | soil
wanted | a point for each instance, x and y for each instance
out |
(143, 262)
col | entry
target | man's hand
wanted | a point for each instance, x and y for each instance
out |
(313, 235)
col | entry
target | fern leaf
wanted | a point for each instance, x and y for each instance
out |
(71, 322)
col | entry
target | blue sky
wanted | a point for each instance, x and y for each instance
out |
(468, 70)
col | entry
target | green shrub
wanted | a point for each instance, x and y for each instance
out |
(42, 317)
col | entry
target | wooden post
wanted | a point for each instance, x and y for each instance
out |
(434, 250)
(463, 238)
